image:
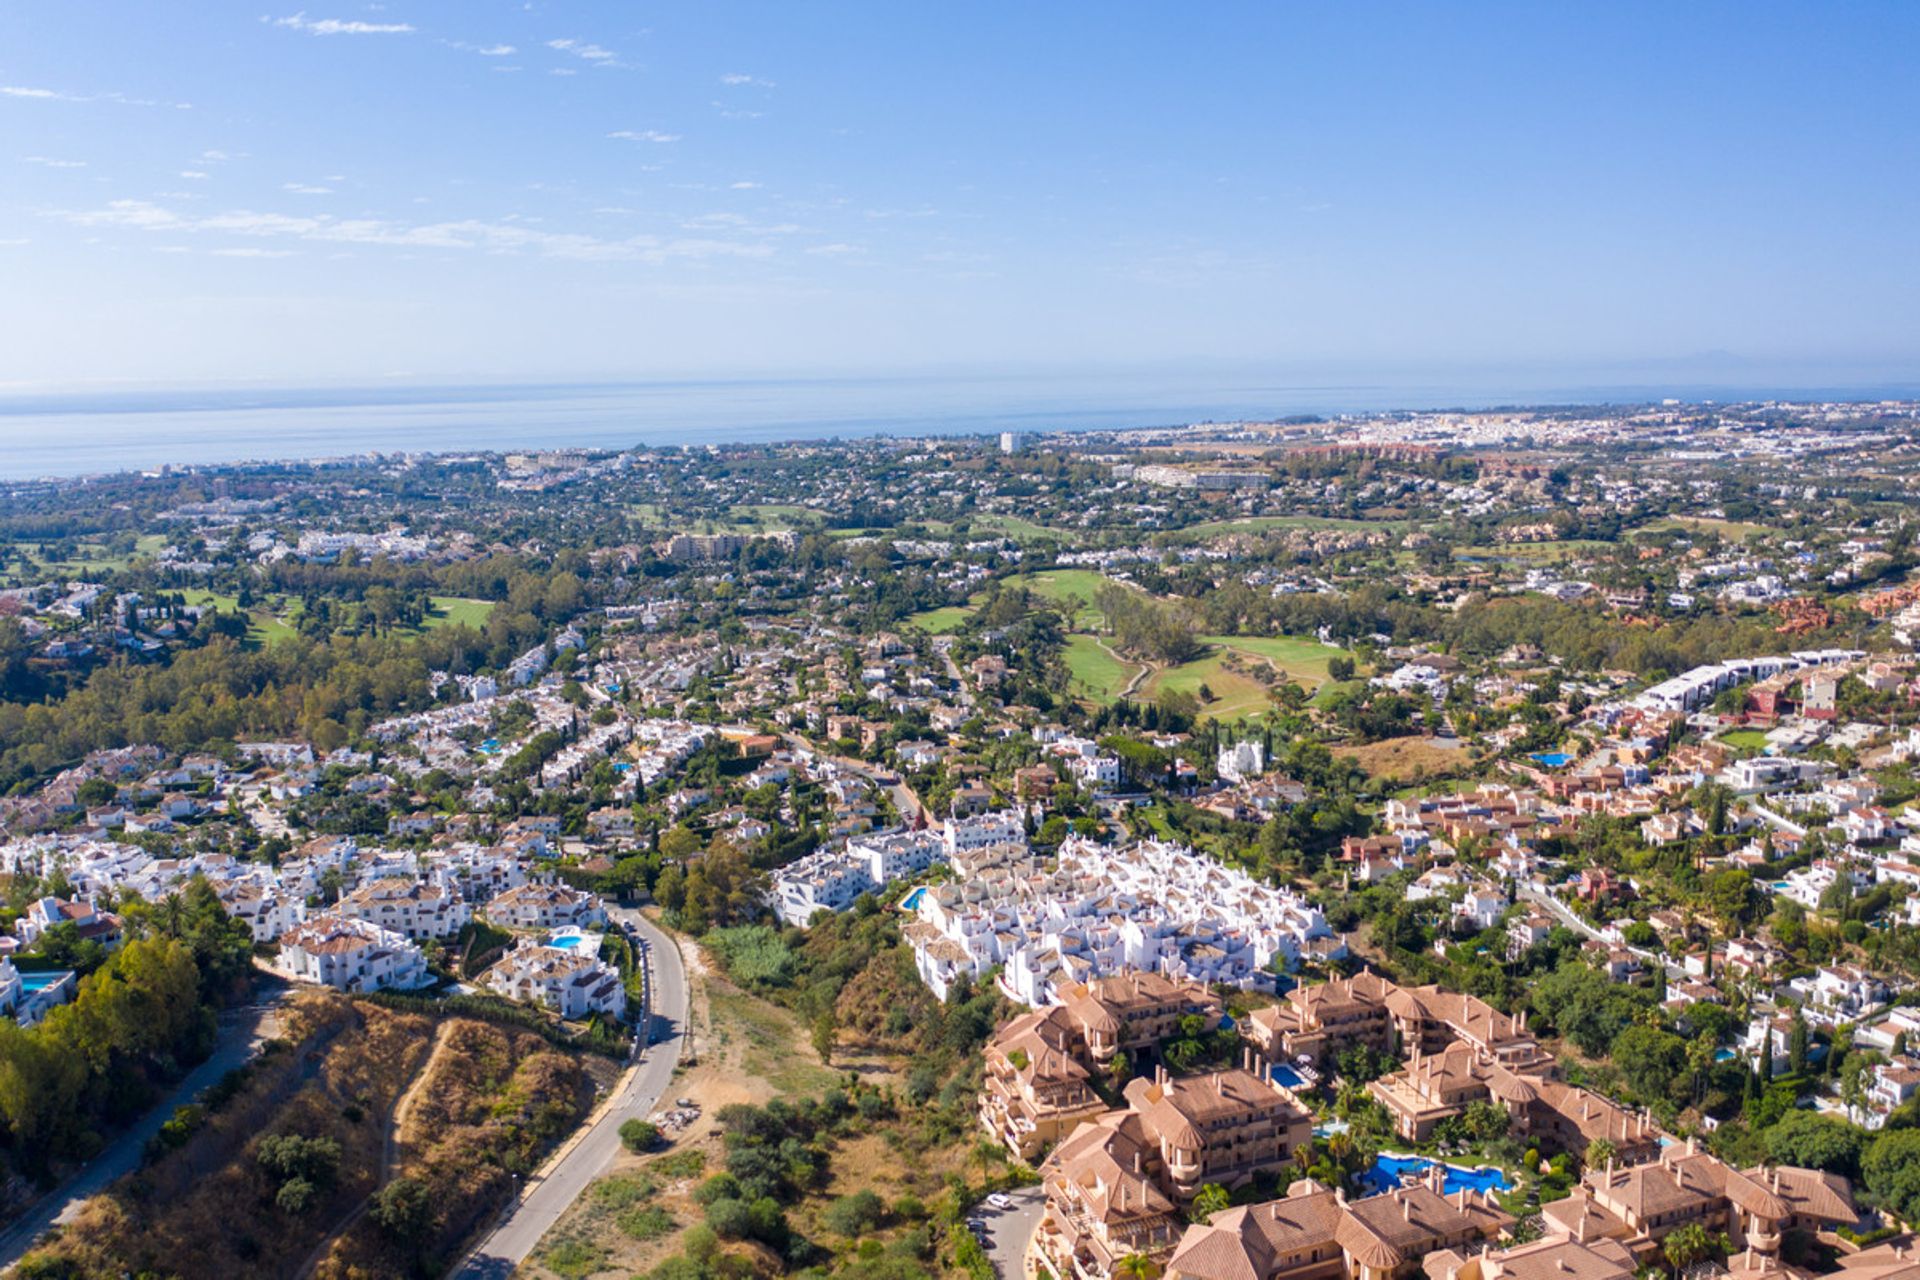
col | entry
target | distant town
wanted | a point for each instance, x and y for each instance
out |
(1478, 845)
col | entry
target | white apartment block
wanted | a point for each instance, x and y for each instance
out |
(834, 879)
(568, 982)
(545, 906)
(415, 908)
(1150, 905)
(351, 955)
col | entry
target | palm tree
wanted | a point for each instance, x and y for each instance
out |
(1137, 1266)
(1686, 1246)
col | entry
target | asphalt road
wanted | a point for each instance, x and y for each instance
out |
(584, 1157)
(1005, 1232)
(1560, 909)
(242, 1032)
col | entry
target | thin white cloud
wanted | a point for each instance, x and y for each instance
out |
(214, 157)
(644, 135)
(599, 56)
(306, 189)
(467, 234)
(51, 162)
(339, 26)
(743, 186)
(833, 250)
(56, 95)
(252, 252)
(740, 78)
(484, 50)
(195, 174)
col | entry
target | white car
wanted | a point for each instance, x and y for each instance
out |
(999, 1201)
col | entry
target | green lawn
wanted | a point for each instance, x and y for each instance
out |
(1745, 739)
(1096, 672)
(1303, 659)
(938, 622)
(773, 515)
(1261, 524)
(1234, 695)
(1015, 527)
(1555, 552)
(458, 611)
(1735, 530)
(1072, 588)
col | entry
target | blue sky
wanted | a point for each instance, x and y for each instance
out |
(194, 191)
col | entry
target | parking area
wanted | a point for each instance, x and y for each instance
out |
(1005, 1232)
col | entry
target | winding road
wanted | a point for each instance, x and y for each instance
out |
(585, 1156)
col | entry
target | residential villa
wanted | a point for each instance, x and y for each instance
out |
(545, 906)
(348, 954)
(416, 908)
(565, 980)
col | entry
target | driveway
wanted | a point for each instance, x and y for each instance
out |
(1005, 1232)
(242, 1031)
(584, 1157)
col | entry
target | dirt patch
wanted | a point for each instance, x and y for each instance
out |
(1407, 759)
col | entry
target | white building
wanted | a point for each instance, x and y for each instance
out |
(1241, 761)
(565, 980)
(416, 908)
(546, 906)
(351, 955)
(1097, 909)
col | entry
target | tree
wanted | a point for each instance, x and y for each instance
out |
(296, 1196)
(403, 1209)
(824, 1028)
(1891, 1171)
(854, 1215)
(1686, 1246)
(1797, 1045)
(639, 1135)
(1136, 1266)
(1209, 1200)
(1809, 1140)
(1599, 1152)
(1650, 1060)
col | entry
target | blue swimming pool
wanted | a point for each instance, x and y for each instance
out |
(41, 981)
(1286, 1077)
(912, 901)
(571, 940)
(1388, 1171)
(1554, 759)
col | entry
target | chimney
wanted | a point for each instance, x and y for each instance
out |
(1406, 1209)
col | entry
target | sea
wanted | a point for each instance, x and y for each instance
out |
(56, 435)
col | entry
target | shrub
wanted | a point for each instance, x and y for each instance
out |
(403, 1209)
(296, 1196)
(854, 1215)
(639, 1135)
(647, 1222)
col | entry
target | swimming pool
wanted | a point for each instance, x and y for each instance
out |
(1388, 1171)
(573, 940)
(41, 981)
(1553, 759)
(1286, 1077)
(912, 901)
